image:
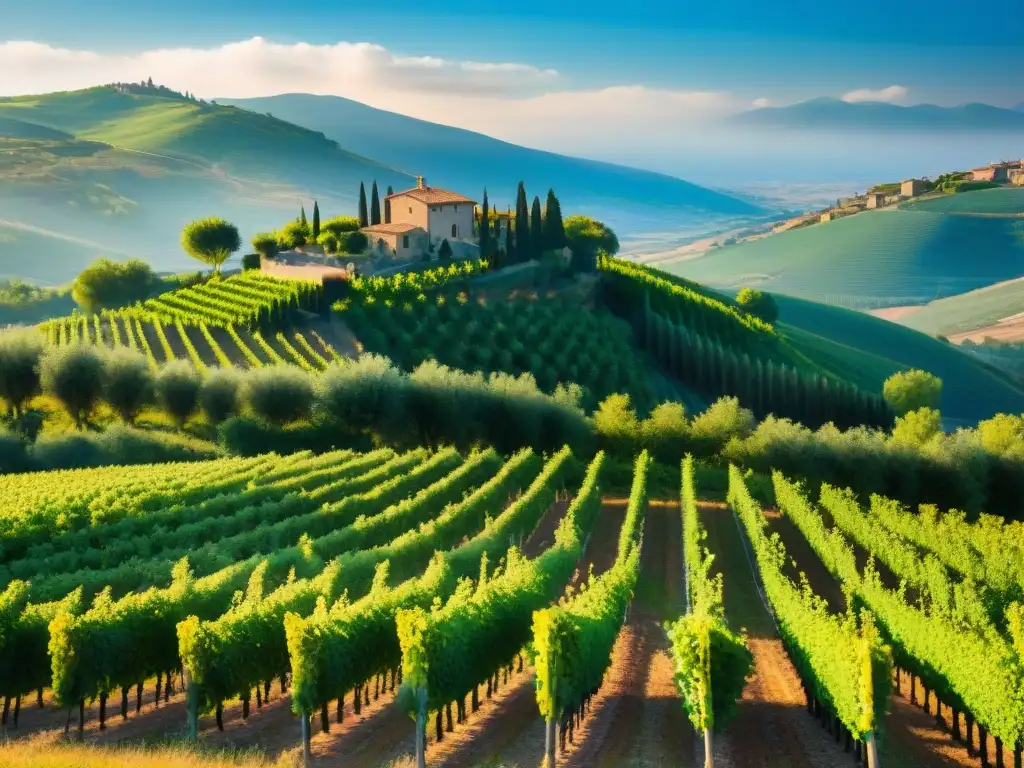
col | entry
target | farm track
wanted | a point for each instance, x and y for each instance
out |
(637, 718)
(772, 728)
(508, 727)
(912, 738)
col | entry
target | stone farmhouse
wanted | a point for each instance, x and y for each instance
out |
(996, 172)
(421, 219)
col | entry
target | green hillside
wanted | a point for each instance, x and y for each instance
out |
(19, 129)
(968, 311)
(911, 254)
(126, 171)
(156, 122)
(870, 349)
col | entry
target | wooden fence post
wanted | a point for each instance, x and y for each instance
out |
(421, 727)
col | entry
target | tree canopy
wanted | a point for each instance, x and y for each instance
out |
(759, 304)
(588, 235)
(265, 244)
(211, 240)
(908, 391)
(107, 284)
(586, 238)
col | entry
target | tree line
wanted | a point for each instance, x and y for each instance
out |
(764, 386)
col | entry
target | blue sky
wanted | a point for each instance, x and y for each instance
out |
(628, 81)
(788, 49)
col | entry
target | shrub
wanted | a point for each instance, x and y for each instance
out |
(107, 284)
(665, 433)
(759, 304)
(279, 394)
(116, 446)
(251, 261)
(617, 426)
(339, 225)
(328, 241)
(240, 436)
(293, 235)
(352, 242)
(909, 390)
(127, 383)
(265, 244)
(13, 457)
(219, 394)
(75, 376)
(720, 423)
(20, 353)
(367, 394)
(177, 390)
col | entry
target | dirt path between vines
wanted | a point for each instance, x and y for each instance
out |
(773, 728)
(912, 738)
(508, 728)
(637, 719)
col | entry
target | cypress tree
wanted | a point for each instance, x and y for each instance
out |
(374, 205)
(387, 205)
(510, 257)
(522, 226)
(554, 231)
(364, 218)
(302, 217)
(316, 221)
(485, 228)
(536, 229)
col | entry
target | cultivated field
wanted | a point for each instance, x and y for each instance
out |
(912, 254)
(868, 349)
(245, 656)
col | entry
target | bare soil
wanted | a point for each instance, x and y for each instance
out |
(637, 718)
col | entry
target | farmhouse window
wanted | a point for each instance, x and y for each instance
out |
(454, 230)
(405, 241)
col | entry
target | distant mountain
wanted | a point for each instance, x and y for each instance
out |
(835, 114)
(468, 161)
(1019, 107)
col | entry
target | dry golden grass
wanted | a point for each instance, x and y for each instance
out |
(52, 750)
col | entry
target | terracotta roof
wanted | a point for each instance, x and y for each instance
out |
(396, 228)
(432, 196)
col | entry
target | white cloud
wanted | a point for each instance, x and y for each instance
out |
(892, 94)
(515, 101)
(258, 67)
(761, 103)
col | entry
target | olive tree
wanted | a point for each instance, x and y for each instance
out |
(219, 394)
(128, 383)
(20, 352)
(279, 394)
(177, 390)
(211, 240)
(759, 304)
(75, 376)
(908, 391)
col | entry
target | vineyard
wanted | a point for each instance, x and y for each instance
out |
(246, 320)
(464, 609)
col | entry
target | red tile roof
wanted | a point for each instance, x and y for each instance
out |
(432, 196)
(396, 228)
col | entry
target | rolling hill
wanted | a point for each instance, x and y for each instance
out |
(912, 254)
(462, 159)
(833, 114)
(968, 311)
(867, 350)
(104, 172)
